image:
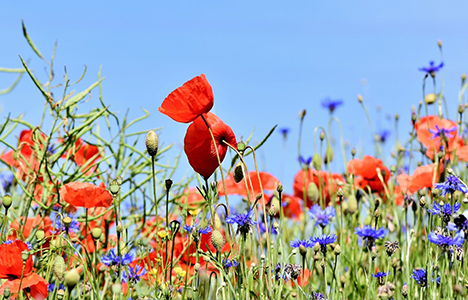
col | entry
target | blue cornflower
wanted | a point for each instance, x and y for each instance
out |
(51, 287)
(330, 104)
(323, 241)
(420, 275)
(380, 277)
(436, 209)
(263, 228)
(112, 259)
(7, 181)
(284, 131)
(190, 228)
(322, 217)
(370, 234)
(451, 184)
(432, 69)
(305, 243)
(383, 135)
(7, 242)
(133, 274)
(318, 296)
(305, 161)
(227, 263)
(243, 221)
(445, 241)
(442, 132)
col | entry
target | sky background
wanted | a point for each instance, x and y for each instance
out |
(266, 61)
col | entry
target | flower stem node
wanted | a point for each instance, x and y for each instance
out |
(152, 143)
(96, 233)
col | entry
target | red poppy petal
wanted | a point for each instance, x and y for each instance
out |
(11, 261)
(84, 194)
(186, 103)
(36, 284)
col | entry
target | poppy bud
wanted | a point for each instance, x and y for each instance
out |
(60, 294)
(40, 234)
(216, 222)
(397, 117)
(25, 256)
(279, 188)
(413, 118)
(439, 43)
(313, 192)
(353, 151)
(463, 78)
(119, 180)
(217, 240)
(6, 293)
(152, 143)
(316, 162)
(72, 278)
(238, 173)
(461, 109)
(430, 98)
(352, 204)
(96, 233)
(59, 267)
(241, 147)
(328, 155)
(322, 135)
(196, 267)
(116, 288)
(302, 114)
(7, 201)
(114, 188)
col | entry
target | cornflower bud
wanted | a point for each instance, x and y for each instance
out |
(422, 201)
(430, 98)
(152, 143)
(337, 250)
(353, 151)
(359, 98)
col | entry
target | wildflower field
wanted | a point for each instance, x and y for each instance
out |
(94, 212)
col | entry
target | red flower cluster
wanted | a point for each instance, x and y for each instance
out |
(193, 102)
(366, 175)
(325, 182)
(11, 268)
(423, 177)
(440, 134)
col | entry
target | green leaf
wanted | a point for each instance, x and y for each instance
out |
(30, 42)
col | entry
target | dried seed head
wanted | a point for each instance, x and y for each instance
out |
(238, 173)
(217, 240)
(152, 143)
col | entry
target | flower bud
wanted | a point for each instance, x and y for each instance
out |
(238, 173)
(337, 250)
(395, 263)
(72, 278)
(352, 204)
(196, 267)
(216, 222)
(60, 294)
(96, 233)
(116, 288)
(329, 155)
(463, 78)
(302, 114)
(274, 207)
(217, 240)
(313, 192)
(422, 201)
(168, 183)
(353, 151)
(152, 143)
(40, 234)
(316, 162)
(241, 147)
(25, 256)
(119, 228)
(114, 188)
(7, 201)
(439, 43)
(67, 222)
(6, 293)
(430, 98)
(322, 135)
(316, 247)
(59, 267)
(279, 188)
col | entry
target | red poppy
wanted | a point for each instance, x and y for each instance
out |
(325, 182)
(187, 102)
(11, 268)
(422, 178)
(292, 206)
(269, 183)
(84, 194)
(365, 172)
(84, 153)
(198, 144)
(24, 158)
(436, 133)
(38, 222)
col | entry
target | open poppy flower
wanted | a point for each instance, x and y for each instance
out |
(83, 153)
(84, 194)
(422, 178)
(11, 268)
(365, 171)
(292, 206)
(24, 158)
(38, 222)
(269, 183)
(198, 144)
(325, 182)
(186, 103)
(437, 134)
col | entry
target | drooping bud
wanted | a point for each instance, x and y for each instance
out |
(317, 162)
(352, 204)
(359, 98)
(302, 114)
(337, 250)
(313, 192)
(238, 173)
(329, 155)
(216, 222)
(168, 184)
(322, 135)
(152, 143)
(217, 240)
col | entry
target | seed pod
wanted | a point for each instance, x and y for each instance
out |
(217, 240)
(7, 201)
(329, 155)
(352, 204)
(216, 222)
(59, 267)
(316, 162)
(40, 234)
(241, 147)
(152, 143)
(114, 188)
(96, 233)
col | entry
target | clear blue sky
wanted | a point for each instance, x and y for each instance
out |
(266, 61)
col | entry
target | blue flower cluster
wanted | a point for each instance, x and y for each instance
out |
(322, 217)
(243, 221)
(370, 234)
(451, 185)
(112, 259)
